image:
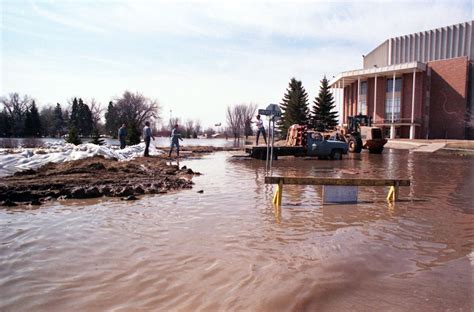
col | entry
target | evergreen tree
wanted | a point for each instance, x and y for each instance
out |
(74, 117)
(133, 134)
(66, 118)
(85, 123)
(58, 121)
(294, 106)
(6, 124)
(323, 115)
(112, 122)
(32, 127)
(96, 139)
(73, 137)
(35, 120)
(27, 129)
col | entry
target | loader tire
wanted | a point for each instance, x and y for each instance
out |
(355, 144)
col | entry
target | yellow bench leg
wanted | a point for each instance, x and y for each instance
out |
(392, 194)
(278, 194)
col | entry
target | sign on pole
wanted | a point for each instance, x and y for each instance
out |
(272, 110)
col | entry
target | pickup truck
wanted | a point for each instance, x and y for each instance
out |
(314, 145)
(319, 146)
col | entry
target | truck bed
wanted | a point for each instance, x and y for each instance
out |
(260, 152)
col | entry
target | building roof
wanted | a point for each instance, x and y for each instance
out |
(348, 77)
(425, 46)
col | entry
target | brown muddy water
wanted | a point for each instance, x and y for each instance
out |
(228, 249)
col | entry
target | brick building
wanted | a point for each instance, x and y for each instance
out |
(415, 86)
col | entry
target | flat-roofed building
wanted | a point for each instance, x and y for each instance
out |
(415, 86)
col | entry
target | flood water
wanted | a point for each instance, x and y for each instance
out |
(229, 249)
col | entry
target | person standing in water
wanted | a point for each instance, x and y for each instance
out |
(175, 137)
(147, 136)
(260, 129)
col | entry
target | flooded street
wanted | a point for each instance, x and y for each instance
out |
(229, 249)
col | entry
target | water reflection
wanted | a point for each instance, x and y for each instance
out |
(229, 248)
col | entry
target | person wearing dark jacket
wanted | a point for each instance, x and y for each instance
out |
(122, 135)
(147, 136)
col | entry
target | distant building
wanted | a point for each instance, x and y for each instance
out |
(416, 86)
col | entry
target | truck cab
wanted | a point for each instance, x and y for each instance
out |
(322, 147)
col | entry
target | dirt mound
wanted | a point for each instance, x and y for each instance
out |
(94, 177)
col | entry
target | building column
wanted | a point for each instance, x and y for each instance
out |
(375, 99)
(412, 125)
(358, 96)
(344, 105)
(392, 126)
(340, 107)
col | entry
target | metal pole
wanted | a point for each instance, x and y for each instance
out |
(412, 126)
(273, 141)
(268, 147)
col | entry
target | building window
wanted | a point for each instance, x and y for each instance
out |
(362, 105)
(389, 106)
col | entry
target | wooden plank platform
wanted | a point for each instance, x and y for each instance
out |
(394, 184)
(337, 181)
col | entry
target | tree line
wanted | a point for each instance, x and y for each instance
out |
(295, 110)
(20, 117)
(190, 128)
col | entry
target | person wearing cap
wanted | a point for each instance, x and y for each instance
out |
(147, 136)
(175, 137)
(260, 129)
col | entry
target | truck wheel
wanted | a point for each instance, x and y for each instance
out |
(355, 144)
(336, 154)
(377, 150)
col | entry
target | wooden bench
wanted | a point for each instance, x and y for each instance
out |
(394, 184)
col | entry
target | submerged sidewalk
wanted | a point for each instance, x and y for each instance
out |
(430, 146)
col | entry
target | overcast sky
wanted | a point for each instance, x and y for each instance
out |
(197, 57)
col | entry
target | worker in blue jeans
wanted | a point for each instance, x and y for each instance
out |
(175, 137)
(260, 129)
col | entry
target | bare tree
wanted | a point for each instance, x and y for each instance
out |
(209, 132)
(232, 120)
(189, 128)
(96, 110)
(134, 108)
(237, 116)
(16, 106)
(248, 111)
(174, 121)
(197, 127)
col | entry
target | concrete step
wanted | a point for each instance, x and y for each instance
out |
(430, 148)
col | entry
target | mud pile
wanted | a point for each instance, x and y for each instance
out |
(94, 177)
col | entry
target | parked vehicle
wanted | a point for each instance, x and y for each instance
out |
(360, 134)
(301, 142)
